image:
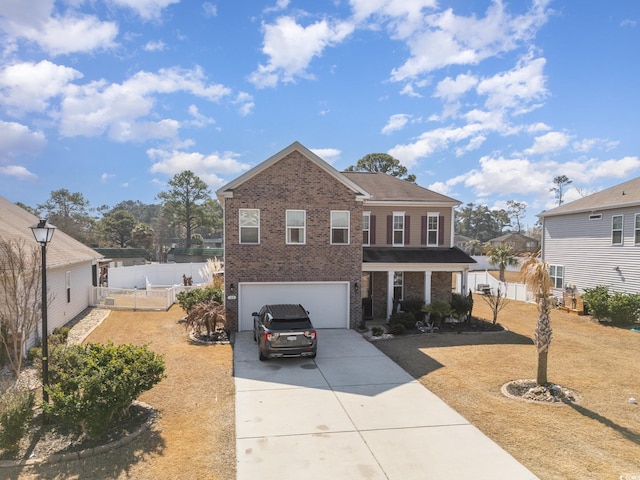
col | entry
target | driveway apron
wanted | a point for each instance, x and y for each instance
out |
(352, 413)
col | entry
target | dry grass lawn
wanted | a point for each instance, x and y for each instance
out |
(599, 438)
(194, 437)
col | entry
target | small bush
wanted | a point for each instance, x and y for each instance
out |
(462, 304)
(34, 354)
(188, 299)
(62, 332)
(597, 301)
(16, 410)
(92, 385)
(624, 308)
(377, 331)
(397, 328)
(406, 319)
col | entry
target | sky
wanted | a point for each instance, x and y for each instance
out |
(484, 101)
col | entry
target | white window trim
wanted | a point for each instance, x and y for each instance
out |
(636, 228)
(368, 229)
(554, 277)
(437, 230)
(297, 227)
(340, 228)
(240, 226)
(394, 230)
(621, 230)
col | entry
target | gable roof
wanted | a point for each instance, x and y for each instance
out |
(227, 190)
(63, 249)
(513, 237)
(385, 188)
(626, 194)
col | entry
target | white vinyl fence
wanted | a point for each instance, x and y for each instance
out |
(514, 291)
(136, 299)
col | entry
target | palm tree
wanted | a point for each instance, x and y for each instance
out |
(536, 276)
(503, 257)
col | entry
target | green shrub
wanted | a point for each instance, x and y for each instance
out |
(16, 410)
(34, 354)
(597, 301)
(92, 385)
(406, 319)
(377, 331)
(624, 308)
(189, 298)
(398, 328)
(62, 332)
(439, 310)
(462, 304)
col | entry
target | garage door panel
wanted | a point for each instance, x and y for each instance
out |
(326, 302)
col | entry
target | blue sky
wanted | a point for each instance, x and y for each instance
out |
(485, 101)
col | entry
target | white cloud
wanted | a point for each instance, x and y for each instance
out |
(146, 9)
(442, 39)
(451, 89)
(56, 34)
(119, 109)
(627, 22)
(329, 155)
(16, 138)
(291, 47)
(28, 87)
(396, 122)
(154, 46)
(105, 177)
(210, 9)
(18, 172)
(549, 142)
(516, 89)
(207, 167)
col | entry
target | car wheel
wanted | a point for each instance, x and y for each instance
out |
(261, 356)
(313, 356)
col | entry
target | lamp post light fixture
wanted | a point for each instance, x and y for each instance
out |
(43, 233)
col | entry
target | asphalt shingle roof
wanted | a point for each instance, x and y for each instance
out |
(386, 188)
(415, 255)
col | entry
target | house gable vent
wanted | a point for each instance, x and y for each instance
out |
(595, 216)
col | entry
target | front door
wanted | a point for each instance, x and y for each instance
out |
(367, 300)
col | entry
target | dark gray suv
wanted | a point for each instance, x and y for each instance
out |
(284, 330)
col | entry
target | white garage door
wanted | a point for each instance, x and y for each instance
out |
(326, 302)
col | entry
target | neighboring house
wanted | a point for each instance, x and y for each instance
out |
(193, 254)
(345, 245)
(72, 268)
(462, 241)
(595, 241)
(519, 243)
(124, 257)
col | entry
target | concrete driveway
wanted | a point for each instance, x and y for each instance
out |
(351, 413)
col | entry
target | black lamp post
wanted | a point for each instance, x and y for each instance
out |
(43, 232)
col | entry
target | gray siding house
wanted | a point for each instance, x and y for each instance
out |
(595, 241)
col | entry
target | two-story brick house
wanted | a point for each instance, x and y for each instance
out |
(299, 231)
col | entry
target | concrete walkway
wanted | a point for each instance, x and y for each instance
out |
(351, 414)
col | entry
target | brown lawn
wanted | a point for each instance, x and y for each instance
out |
(598, 438)
(194, 437)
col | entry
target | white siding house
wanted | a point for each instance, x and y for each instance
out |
(595, 241)
(71, 266)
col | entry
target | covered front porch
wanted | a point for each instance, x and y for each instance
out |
(392, 275)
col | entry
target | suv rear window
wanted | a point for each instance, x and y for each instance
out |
(293, 324)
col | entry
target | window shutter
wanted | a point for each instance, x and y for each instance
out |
(389, 229)
(440, 230)
(407, 229)
(372, 230)
(423, 230)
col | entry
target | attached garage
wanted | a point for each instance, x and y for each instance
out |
(326, 302)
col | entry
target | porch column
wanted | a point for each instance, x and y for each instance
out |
(464, 282)
(390, 276)
(427, 286)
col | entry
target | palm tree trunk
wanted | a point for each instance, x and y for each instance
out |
(541, 377)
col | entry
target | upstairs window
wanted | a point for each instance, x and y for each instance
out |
(556, 272)
(339, 227)
(616, 230)
(432, 229)
(398, 229)
(249, 225)
(296, 227)
(366, 228)
(637, 229)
